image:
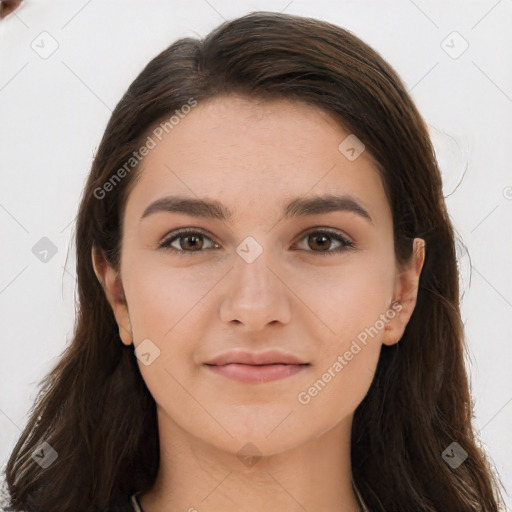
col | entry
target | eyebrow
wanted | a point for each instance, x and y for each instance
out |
(298, 207)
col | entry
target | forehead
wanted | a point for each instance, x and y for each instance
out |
(252, 153)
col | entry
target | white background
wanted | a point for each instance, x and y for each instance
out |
(53, 112)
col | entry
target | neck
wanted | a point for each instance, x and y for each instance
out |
(195, 475)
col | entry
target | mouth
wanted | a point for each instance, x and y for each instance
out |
(257, 373)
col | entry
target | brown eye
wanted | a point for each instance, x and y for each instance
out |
(191, 242)
(187, 241)
(321, 241)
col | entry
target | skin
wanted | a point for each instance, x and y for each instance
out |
(255, 156)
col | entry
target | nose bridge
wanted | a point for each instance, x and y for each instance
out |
(253, 276)
(256, 294)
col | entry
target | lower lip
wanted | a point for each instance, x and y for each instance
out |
(257, 373)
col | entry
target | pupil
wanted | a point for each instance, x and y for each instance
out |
(195, 243)
(321, 237)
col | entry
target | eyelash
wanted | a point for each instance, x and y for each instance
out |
(176, 235)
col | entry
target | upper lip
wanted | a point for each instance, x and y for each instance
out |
(255, 358)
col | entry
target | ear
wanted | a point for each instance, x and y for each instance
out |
(405, 295)
(110, 281)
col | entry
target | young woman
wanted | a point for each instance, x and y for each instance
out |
(268, 311)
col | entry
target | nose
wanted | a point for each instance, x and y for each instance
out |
(257, 294)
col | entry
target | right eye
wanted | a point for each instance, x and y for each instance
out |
(192, 239)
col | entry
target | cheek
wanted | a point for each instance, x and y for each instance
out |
(352, 304)
(162, 297)
(165, 304)
(173, 307)
(178, 309)
(169, 304)
(348, 298)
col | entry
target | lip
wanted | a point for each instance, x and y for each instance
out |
(256, 367)
(257, 373)
(266, 357)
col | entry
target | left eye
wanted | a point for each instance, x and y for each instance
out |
(189, 241)
(321, 238)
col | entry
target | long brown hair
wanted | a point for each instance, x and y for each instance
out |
(94, 408)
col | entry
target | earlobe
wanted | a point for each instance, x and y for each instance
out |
(111, 283)
(405, 294)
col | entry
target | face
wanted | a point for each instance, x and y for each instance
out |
(317, 284)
